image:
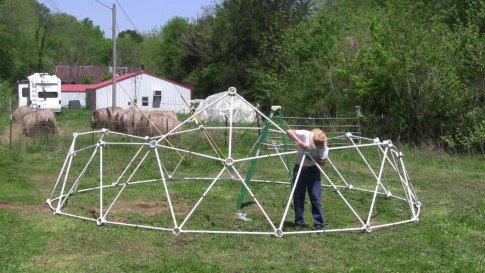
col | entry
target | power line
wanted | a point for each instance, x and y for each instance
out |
(53, 4)
(129, 19)
(102, 4)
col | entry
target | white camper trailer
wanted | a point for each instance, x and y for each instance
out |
(41, 91)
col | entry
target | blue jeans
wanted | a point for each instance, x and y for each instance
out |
(310, 181)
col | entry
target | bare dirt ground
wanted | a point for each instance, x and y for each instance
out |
(23, 208)
(16, 133)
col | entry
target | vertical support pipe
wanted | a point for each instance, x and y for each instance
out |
(254, 198)
(71, 155)
(59, 177)
(165, 187)
(292, 192)
(201, 198)
(376, 189)
(113, 28)
(231, 109)
(11, 121)
(101, 181)
(358, 114)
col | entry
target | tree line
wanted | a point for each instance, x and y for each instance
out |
(415, 67)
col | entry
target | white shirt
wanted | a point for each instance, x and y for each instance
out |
(305, 137)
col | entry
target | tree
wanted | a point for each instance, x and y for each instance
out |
(71, 42)
(228, 40)
(17, 32)
(129, 48)
(166, 51)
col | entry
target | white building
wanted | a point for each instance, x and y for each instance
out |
(149, 92)
(70, 92)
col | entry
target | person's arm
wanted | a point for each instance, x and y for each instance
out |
(292, 134)
(323, 160)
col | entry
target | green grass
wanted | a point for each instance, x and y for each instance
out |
(448, 238)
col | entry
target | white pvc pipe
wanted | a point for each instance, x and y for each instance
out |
(65, 181)
(129, 164)
(137, 226)
(233, 127)
(201, 198)
(127, 143)
(254, 198)
(85, 148)
(190, 152)
(393, 224)
(126, 135)
(75, 216)
(353, 146)
(101, 181)
(81, 175)
(113, 202)
(337, 171)
(263, 156)
(231, 109)
(367, 163)
(167, 194)
(297, 178)
(191, 117)
(227, 232)
(90, 133)
(377, 187)
(75, 184)
(59, 177)
(338, 192)
(323, 231)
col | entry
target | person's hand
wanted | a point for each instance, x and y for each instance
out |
(321, 162)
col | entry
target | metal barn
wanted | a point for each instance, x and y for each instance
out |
(71, 92)
(149, 92)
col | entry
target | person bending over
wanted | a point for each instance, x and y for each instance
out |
(315, 142)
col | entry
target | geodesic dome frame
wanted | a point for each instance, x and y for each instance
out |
(232, 170)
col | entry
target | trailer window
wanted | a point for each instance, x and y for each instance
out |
(157, 99)
(47, 95)
(25, 92)
(144, 101)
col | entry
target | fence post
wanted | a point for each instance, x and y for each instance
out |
(358, 113)
(11, 121)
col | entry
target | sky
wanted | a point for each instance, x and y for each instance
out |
(146, 15)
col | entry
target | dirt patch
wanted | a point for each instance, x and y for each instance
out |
(148, 208)
(23, 208)
(41, 260)
(16, 133)
(145, 208)
(44, 178)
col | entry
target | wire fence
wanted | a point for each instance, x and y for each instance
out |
(335, 128)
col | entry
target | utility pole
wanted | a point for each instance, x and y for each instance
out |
(113, 101)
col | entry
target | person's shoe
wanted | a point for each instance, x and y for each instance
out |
(318, 228)
(299, 227)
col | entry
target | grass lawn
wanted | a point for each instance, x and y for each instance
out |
(449, 237)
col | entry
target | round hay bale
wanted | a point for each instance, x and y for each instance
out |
(128, 121)
(101, 118)
(157, 125)
(172, 123)
(39, 122)
(115, 120)
(165, 113)
(134, 122)
(21, 112)
(140, 124)
(164, 122)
